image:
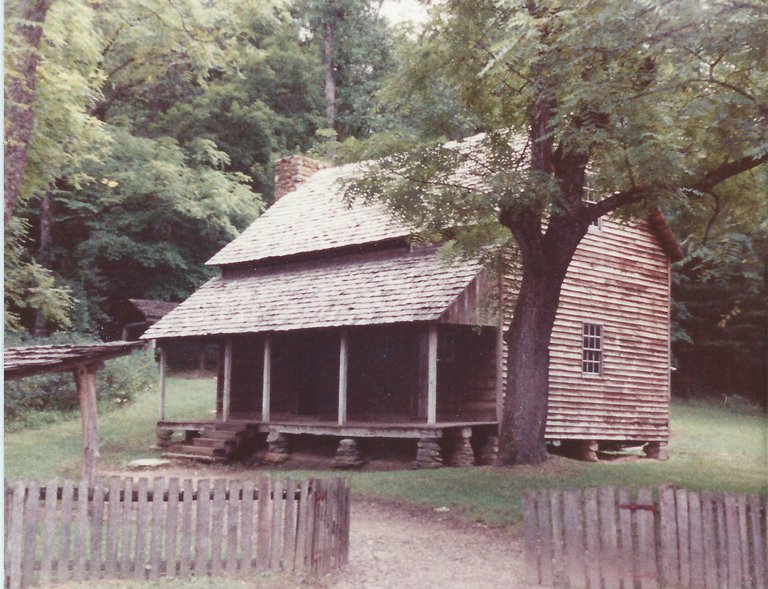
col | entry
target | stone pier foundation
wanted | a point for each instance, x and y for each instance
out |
(657, 450)
(349, 455)
(460, 449)
(427, 454)
(278, 449)
(489, 451)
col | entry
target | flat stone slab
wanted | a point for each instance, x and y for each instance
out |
(147, 463)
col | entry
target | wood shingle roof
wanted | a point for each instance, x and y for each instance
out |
(385, 287)
(313, 218)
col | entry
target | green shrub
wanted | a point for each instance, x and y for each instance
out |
(47, 398)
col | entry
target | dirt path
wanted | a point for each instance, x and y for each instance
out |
(391, 547)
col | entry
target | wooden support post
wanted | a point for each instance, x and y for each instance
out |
(266, 379)
(163, 373)
(432, 375)
(227, 390)
(343, 361)
(85, 379)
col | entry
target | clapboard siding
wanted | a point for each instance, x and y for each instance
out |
(619, 278)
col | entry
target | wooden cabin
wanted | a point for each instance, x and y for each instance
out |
(331, 321)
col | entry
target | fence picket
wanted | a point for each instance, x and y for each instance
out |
(16, 535)
(531, 539)
(758, 542)
(289, 529)
(683, 537)
(171, 527)
(185, 549)
(301, 532)
(696, 539)
(722, 543)
(156, 527)
(545, 529)
(113, 527)
(556, 521)
(646, 540)
(609, 537)
(574, 543)
(49, 531)
(30, 532)
(592, 558)
(202, 528)
(232, 526)
(709, 541)
(276, 536)
(81, 531)
(217, 525)
(262, 524)
(733, 539)
(246, 517)
(8, 495)
(746, 574)
(128, 525)
(626, 554)
(97, 520)
(142, 514)
(65, 518)
(668, 557)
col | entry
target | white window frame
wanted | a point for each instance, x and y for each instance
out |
(589, 196)
(592, 349)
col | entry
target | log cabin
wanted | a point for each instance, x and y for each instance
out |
(332, 321)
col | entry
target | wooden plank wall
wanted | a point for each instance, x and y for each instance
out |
(620, 539)
(619, 278)
(121, 528)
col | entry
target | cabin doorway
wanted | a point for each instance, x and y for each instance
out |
(316, 376)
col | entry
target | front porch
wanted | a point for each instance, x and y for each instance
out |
(407, 381)
(453, 443)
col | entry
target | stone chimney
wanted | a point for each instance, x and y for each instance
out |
(291, 172)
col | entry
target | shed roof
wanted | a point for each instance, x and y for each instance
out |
(385, 287)
(153, 309)
(30, 360)
(312, 218)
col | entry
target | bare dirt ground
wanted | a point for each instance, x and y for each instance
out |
(399, 548)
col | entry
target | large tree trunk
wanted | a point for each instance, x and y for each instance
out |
(44, 257)
(545, 261)
(20, 95)
(330, 80)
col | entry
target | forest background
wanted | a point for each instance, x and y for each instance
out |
(155, 124)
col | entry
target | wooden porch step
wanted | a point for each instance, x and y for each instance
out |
(221, 434)
(197, 457)
(196, 450)
(222, 444)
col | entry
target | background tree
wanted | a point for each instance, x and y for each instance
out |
(663, 103)
(155, 127)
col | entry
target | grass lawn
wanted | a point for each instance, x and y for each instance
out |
(711, 448)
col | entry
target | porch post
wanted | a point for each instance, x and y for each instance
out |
(432, 375)
(227, 390)
(266, 379)
(163, 372)
(343, 360)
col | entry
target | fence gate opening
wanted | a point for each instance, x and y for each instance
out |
(142, 529)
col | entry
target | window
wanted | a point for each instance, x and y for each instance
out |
(592, 349)
(589, 196)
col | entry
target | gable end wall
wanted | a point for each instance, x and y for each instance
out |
(619, 278)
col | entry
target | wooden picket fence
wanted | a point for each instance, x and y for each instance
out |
(618, 539)
(121, 528)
